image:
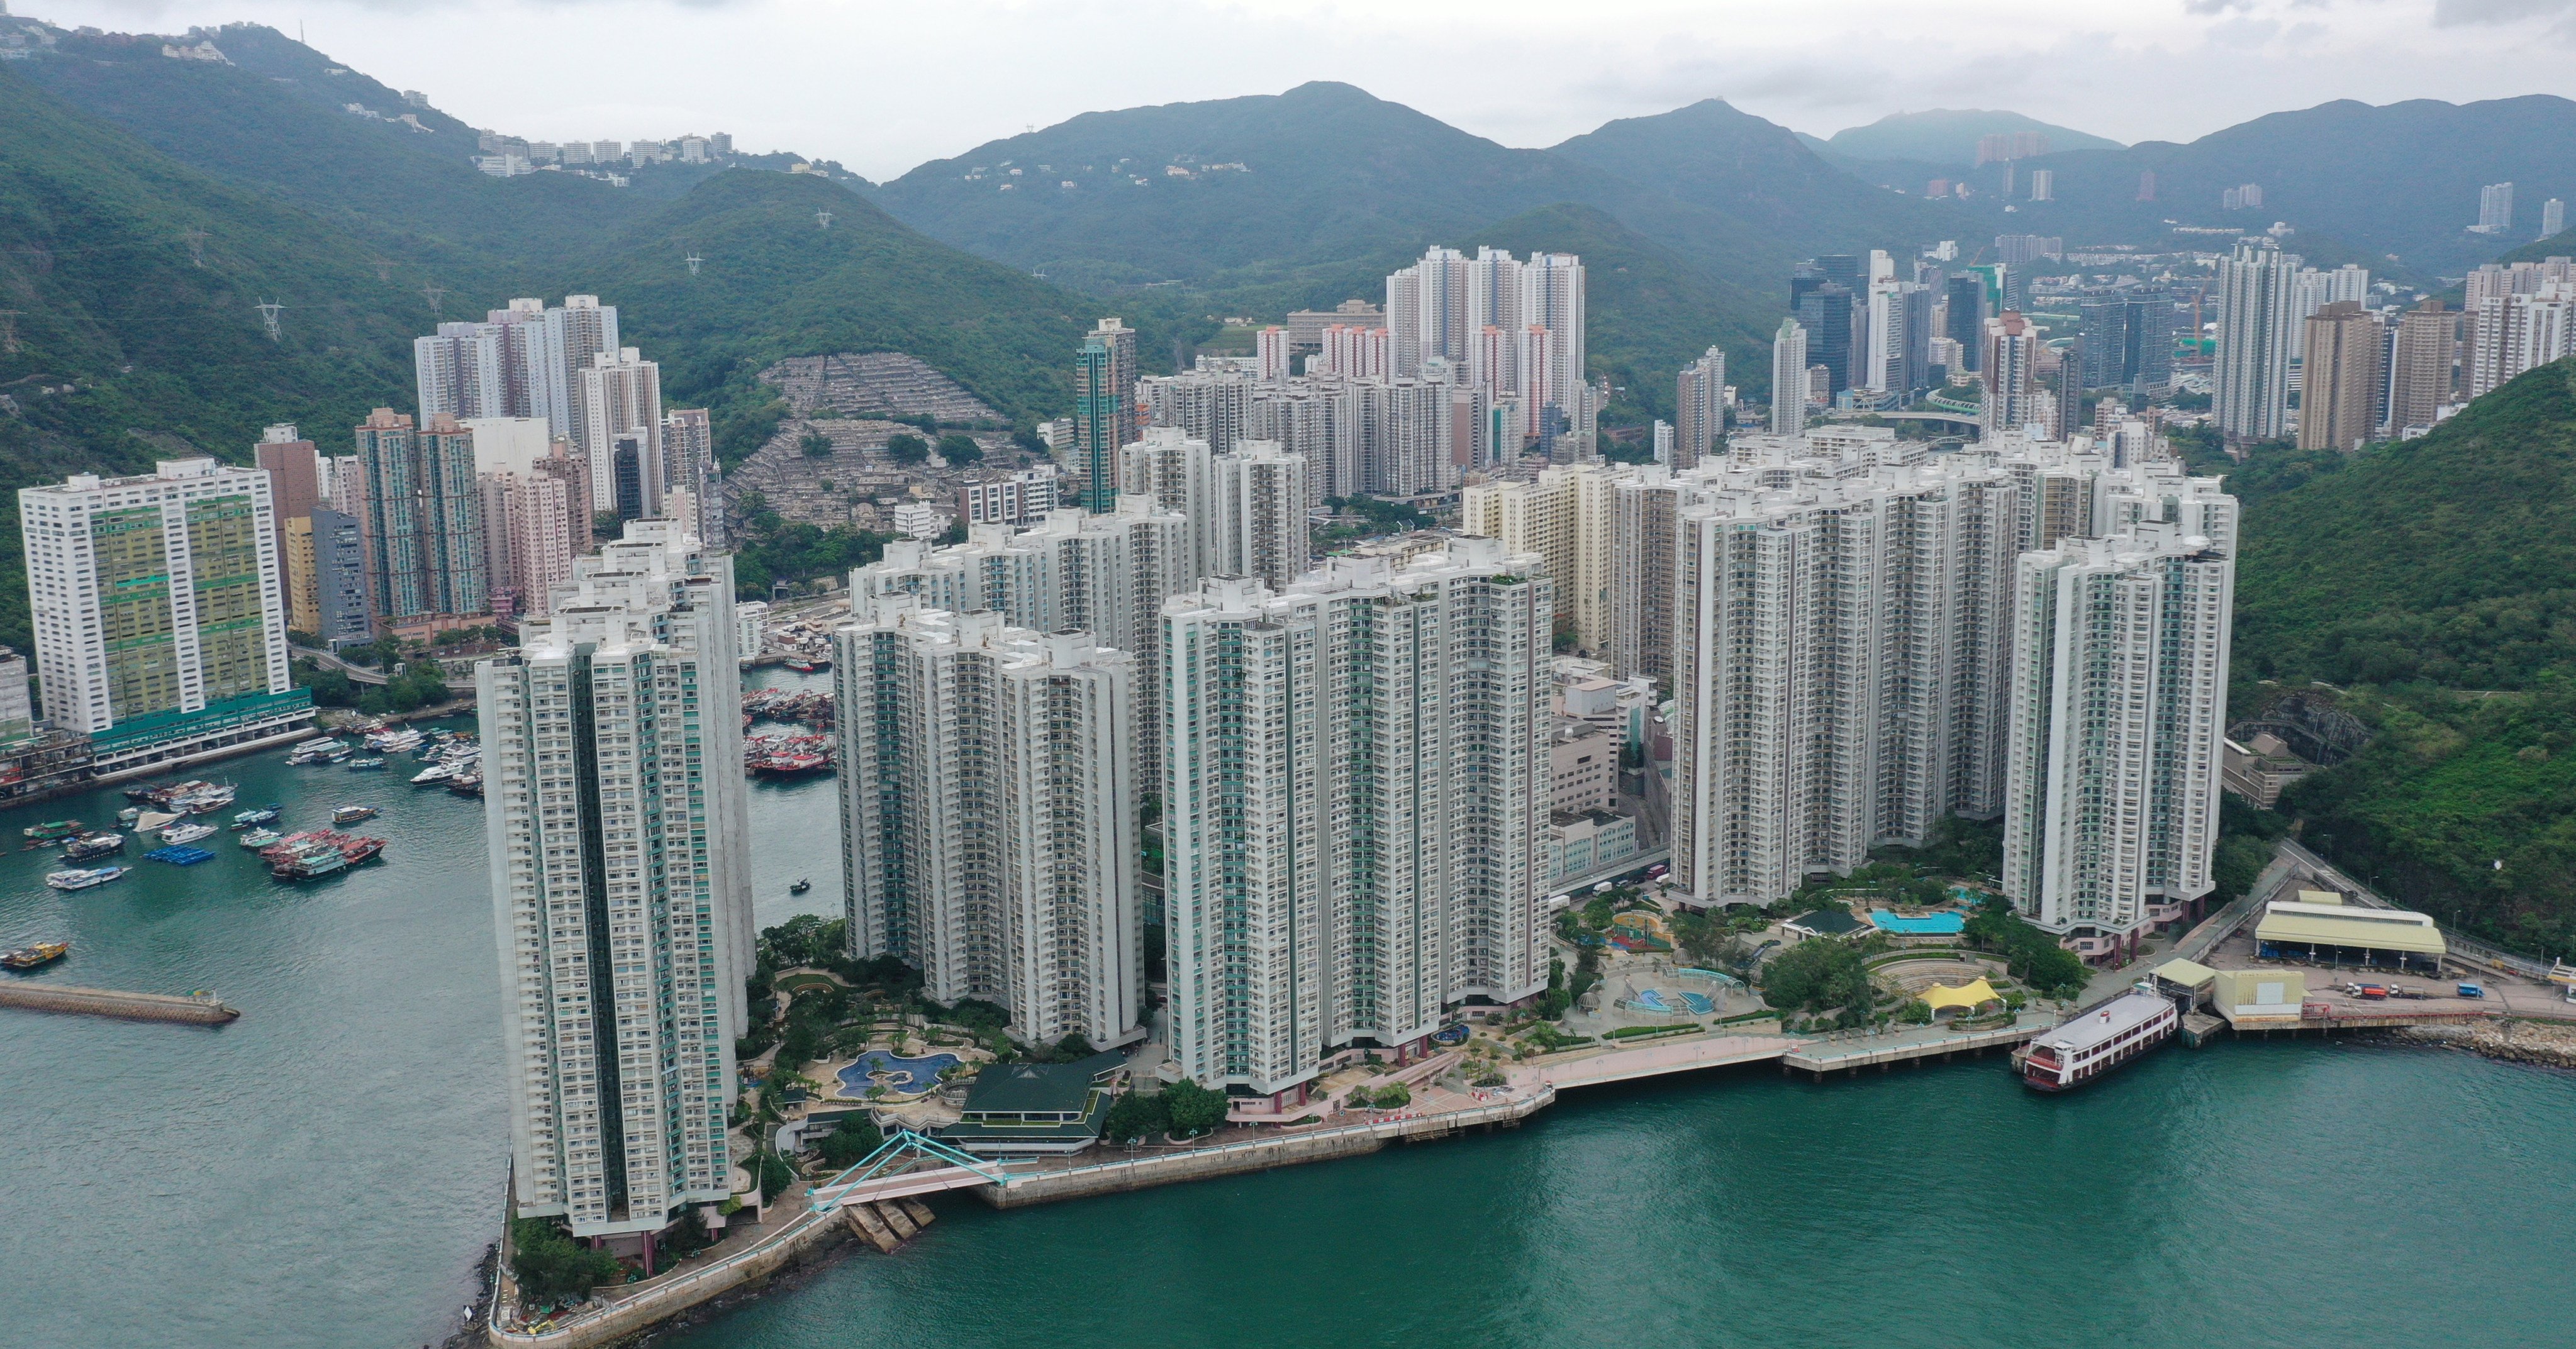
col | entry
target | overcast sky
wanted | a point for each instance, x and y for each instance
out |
(882, 87)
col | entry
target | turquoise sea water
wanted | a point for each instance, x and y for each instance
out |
(325, 1171)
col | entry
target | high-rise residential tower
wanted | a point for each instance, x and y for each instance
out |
(2341, 377)
(1259, 525)
(294, 476)
(2256, 337)
(621, 399)
(989, 815)
(1104, 411)
(1788, 379)
(614, 809)
(2119, 710)
(159, 610)
(1699, 408)
(1355, 783)
(423, 520)
(2420, 381)
(2009, 365)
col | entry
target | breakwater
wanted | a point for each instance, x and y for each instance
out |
(194, 1011)
(2539, 1043)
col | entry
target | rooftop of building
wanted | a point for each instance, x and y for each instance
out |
(1013, 1091)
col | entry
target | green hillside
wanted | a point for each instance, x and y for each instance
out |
(1947, 137)
(2434, 583)
(773, 283)
(161, 356)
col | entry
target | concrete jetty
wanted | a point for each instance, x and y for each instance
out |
(205, 1011)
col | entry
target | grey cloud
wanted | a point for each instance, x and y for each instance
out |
(2457, 13)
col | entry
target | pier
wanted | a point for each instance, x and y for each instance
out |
(205, 1011)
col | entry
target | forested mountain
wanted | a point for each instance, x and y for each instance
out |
(1944, 138)
(2436, 579)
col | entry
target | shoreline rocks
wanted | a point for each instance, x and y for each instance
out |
(2545, 1044)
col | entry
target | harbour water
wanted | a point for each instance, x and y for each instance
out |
(325, 1171)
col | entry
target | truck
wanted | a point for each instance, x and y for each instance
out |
(2472, 991)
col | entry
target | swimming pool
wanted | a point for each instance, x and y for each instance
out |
(899, 1076)
(1930, 924)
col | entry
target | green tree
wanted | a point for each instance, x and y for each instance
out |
(815, 444)
(1193, 1109)
(1137, 1116)
(1816, 974)
(960, 449)
(850, 1141)
(903, 447)
(775, 1175)
(550, 1266)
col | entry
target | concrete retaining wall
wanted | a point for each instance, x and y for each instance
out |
(1146, 1172)
(641, 1309)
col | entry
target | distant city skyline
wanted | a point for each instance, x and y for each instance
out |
(1821, 68)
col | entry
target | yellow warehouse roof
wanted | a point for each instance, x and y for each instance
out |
(2189, 974)
(2377, 929)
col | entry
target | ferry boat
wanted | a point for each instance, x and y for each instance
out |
(77, 878)
(186, 833)
(264, 815)
(255, 839)
(51, 831)
(353, 814)
(88, 846)
(2099, 1041)
(31, 957)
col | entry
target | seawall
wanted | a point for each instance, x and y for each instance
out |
(115, 1003)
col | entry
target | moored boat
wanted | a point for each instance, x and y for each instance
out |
(371, 761)
(310, 863)
(256, 839)
(433, 775)
(88, 846)
(51, 831)
(78, 878)
(32, 957)
(186, 833)
(466, 784)
(263, 815)
(353, 814)
(2104, 1038)
(356, 850)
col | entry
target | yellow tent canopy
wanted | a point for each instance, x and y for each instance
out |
(1972, 995)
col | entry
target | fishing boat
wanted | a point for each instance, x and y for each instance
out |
(354, 851)
(264, 815)
(51, 831)
(40, 954)
(371, 761)
(466, 784)
(186, 833)
(801, 886)
(77, 878)
(353, 814)
(433, 775)
(256, 839)
(309, 864)
(88, 846)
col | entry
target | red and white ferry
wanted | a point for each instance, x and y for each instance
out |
(2099, 1041)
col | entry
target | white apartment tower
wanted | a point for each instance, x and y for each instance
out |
(989, 815)
(1172, 469)
(1354, 788)
(2119, 709)
(159, 609)
(1259, 527)
(1789, 379)
(1566, 517)
(2257, 336)
(621, 431)
(615, 812)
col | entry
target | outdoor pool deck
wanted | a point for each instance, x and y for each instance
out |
(902, 1076)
